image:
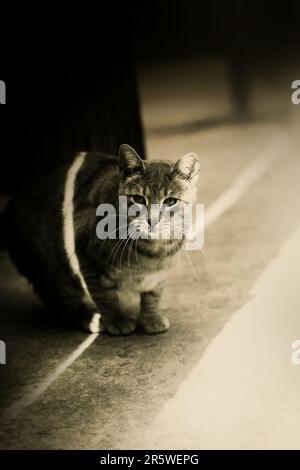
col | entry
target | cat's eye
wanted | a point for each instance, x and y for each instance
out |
(138, 199)
(170, 201)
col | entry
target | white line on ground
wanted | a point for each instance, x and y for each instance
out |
(244, 391)
(276, 148)
(34, 394)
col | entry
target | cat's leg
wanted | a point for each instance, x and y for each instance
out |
(115, 321)
(90, 318)
(151, 320)
(104, 293)
(83, 314)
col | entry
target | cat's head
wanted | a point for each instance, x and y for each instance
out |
(160, 189)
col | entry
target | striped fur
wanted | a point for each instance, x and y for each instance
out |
(51, 236)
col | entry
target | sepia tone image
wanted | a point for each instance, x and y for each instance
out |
(150, 230)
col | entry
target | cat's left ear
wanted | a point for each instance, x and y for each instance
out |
(129, 160)
(187, 167)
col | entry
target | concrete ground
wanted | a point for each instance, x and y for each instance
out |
(222, 376)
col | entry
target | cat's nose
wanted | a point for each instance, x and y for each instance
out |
(152, 222)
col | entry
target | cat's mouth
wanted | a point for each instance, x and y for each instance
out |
(159, 236)
(160, 247)
(155, 232)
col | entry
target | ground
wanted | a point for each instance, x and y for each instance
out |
(63, 389)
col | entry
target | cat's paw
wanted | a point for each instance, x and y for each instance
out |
(120, 325)
(155, 324)
(92, 324)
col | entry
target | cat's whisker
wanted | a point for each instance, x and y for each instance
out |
(186, 232)
(115, 250)
(130, 249)
(129, 254)
(119, 244)
(109, 234)
(130, 231)
(179, 259)
(136, 253)
(191, 264)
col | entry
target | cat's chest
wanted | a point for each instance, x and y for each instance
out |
(145, 282)
(131, 281)
(129, 286)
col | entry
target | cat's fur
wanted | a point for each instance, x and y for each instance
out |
(84, 279)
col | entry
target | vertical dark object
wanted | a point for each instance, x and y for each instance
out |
(237, 61)
(110, 102)
(239, 86)
(77, 94)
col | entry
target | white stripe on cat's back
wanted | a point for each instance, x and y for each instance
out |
(68, 218)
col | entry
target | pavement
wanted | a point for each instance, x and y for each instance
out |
(222, 377)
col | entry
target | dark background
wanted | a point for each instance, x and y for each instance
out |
(71, 75)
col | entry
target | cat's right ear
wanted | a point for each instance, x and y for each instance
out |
(129, 161)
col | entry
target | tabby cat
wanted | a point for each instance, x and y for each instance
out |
(109, 284)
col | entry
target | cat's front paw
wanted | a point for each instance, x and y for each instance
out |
(155, 324)
(120, 325)
(92, 323)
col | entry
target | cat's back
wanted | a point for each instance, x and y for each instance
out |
(35, 213)
(41, 199)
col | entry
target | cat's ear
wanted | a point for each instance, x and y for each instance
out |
(129, 161)
(187, 167)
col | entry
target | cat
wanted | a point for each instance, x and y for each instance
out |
(109, 284)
